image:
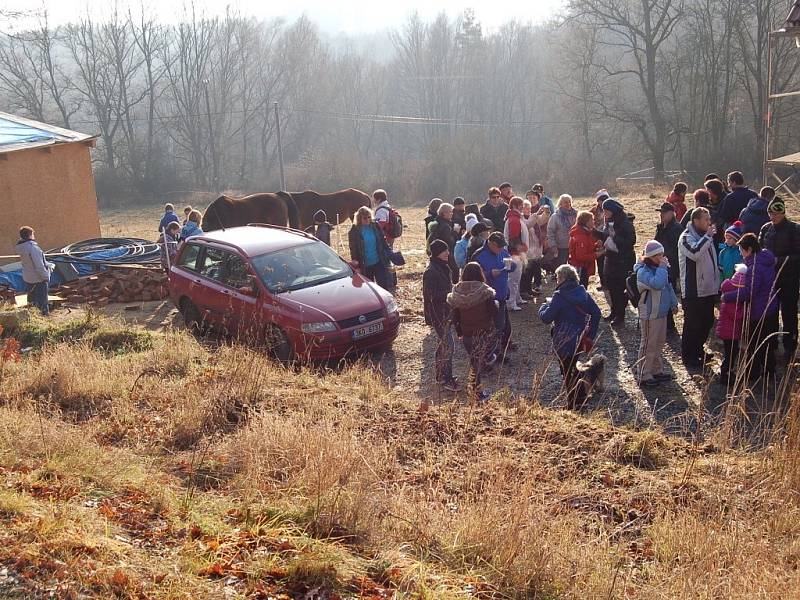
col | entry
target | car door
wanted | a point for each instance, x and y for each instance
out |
(209, 293)
(242, 297)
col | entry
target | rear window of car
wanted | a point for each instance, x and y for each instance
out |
(302, 266)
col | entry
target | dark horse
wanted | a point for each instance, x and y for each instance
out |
(344, 203)
(272, 209)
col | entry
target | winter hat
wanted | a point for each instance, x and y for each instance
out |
(437, 247)
(777, 206)
(666, 207)
(736, 230)
(601, 195)
(613, 206)
(320, 216)
(470, 221)
(740, 271)
(652, 248)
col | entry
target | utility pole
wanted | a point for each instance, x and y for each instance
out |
(214, 163)
(280, 146)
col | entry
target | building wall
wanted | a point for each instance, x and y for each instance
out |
(52, 191)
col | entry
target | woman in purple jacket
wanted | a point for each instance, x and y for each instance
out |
(758, 292)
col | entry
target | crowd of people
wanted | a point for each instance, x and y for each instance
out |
(734, 248)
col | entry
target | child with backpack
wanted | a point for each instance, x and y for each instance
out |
(655, 301)
(731, 321)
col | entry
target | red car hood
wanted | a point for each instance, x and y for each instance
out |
(336, 300)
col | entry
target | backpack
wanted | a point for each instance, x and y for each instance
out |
(632, 289)
(394, 226)
(460, 252)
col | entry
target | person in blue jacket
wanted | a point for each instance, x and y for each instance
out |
(575, 317)
(496, 263)
(169, 217)
(192, 226)
(755, 215)
(728, 252)
(657, 300)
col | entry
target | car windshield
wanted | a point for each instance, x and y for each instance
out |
(300, 267)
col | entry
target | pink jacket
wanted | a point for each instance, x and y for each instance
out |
(731, 314)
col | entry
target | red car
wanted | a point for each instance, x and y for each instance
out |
(283, 289)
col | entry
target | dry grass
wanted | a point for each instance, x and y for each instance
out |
(157, 467)
(208, 457)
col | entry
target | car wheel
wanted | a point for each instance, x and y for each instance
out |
(277, 344)
(192, 317)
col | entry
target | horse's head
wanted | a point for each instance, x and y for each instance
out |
(212, 218)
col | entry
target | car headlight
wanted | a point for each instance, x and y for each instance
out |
(318, 327)
(391, 305)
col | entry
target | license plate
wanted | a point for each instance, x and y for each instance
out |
(367, 330)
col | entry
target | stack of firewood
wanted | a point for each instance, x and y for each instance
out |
(117, 284)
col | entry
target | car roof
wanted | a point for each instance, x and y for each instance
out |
(253, 240)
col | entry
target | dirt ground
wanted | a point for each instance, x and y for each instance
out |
(678, 406)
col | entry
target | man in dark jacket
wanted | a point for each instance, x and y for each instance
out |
(495, 209)
(782, 237)
(436, 285)
(618, 238)
(459, 215)
(321, 229)
(736, 201)
(441, 228)
(754, 215)
(667, 234)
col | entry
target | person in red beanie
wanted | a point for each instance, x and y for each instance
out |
(677, 197)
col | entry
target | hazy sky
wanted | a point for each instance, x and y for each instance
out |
(333, 16)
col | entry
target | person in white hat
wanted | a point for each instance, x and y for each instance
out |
(656, 300)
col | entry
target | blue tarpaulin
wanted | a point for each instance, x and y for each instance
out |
(14, 279)
(19, 133)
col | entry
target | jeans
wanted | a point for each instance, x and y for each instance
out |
(568, 365)
(478, 348)
(37, 296)
(698, 319)
(380, 274)
(562, 257)
(443, 357)
(502, 326)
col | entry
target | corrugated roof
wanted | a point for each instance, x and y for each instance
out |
(19, 133)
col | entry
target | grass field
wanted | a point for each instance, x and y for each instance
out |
(139, 462)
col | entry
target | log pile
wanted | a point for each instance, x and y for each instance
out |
(117, 284)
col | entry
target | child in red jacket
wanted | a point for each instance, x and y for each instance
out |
(583, 247)
(677, 197)
(729, 325)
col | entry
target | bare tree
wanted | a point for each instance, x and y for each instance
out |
(636, 30)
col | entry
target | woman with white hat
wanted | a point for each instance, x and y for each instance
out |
(656, 300)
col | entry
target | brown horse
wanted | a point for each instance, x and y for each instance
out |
(272, 209)
(344, 203)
